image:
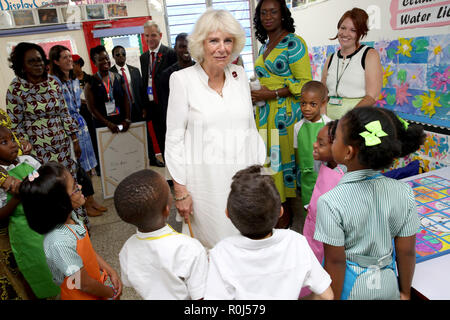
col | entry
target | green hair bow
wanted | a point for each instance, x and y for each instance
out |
(404, 123)
(373, 134)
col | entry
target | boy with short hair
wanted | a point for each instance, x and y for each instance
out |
(263, 262)
(158, 262)
(313, 100)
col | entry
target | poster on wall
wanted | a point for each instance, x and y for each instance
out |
(95, 12)
(419, 14)
(68, 42)
(117, 10)
(416, 76)
(48, 16)
(23, 17)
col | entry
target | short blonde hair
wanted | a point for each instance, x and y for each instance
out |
(211, 21)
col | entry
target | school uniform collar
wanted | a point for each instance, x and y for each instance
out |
(360, 175)
(157, 234)
(340, 56)
(250, 244)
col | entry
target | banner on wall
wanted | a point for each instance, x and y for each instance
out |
(10, 5)
(408, 14)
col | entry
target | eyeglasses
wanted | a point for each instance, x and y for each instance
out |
(120, 54)
(77, 189)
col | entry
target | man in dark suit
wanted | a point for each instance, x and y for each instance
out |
(133, 83)
(184, 60)
(153, 62)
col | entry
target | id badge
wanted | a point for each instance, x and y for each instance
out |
(337, 101)
(111, 108)
(150, 90)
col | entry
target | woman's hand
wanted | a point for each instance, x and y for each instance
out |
(112, 127)
(184, 206)
(263, 94)
(77, 148)
(126, 125)
(26, 146)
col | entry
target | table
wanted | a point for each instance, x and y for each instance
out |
(432, 277)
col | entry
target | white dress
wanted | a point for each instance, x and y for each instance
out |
(209, 138)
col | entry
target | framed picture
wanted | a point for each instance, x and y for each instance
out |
(117, 10)
(72, 14)
(298, 3)
(23, 17)
(95, 12)
(47, 16)
(121, 154)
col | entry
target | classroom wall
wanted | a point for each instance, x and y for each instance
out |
(136, 8)
(318, 22)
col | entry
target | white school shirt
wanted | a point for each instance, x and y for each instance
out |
(164, 265)
(268, 269)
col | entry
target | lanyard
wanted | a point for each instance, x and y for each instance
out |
(107, 88)
(338, 79)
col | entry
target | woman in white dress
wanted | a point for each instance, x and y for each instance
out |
(211, 131)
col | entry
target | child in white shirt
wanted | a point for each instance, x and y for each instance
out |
(262, 263)
(158, 262)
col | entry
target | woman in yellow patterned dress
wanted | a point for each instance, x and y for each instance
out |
(282, 67)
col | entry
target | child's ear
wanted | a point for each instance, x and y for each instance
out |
(281, 211)
(351, 152)
(166, 211)
(226, 213)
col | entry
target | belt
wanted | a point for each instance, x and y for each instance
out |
(366, 261)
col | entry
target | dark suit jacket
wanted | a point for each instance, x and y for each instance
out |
(165, 58)
(139, 92)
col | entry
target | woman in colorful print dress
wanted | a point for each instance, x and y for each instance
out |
(38, 111)
(282, 67)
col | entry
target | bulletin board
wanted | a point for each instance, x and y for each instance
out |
(416, 76)
(120, 155)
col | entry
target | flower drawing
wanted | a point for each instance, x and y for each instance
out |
(405, 47)
(381, 99)
(386, 74)
(429, 103)
(437, 48)
(441, 80)
(381, 47)
(402, 94)
(416, 77)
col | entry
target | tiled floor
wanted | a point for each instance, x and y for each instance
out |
(109, 232)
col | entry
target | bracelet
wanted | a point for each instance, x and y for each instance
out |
(115, 291)
(128, 120)
(182, 198)
(75, 140)
(276, 93)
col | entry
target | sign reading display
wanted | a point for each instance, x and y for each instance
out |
(408, 14)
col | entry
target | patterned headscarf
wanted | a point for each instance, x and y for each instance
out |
(5, 121)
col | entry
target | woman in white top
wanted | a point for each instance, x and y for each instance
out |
(211, 131)
(353, 75)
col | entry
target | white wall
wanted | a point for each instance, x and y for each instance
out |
(317, 23)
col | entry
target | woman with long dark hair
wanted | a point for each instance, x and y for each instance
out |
(61, 68)
(282, 67)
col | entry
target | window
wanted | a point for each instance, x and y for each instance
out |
(182, 16)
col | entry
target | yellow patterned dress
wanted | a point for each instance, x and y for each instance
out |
(287, 65)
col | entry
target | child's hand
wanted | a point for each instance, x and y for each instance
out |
(117, 283)
(26, 146)
(11, 185)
